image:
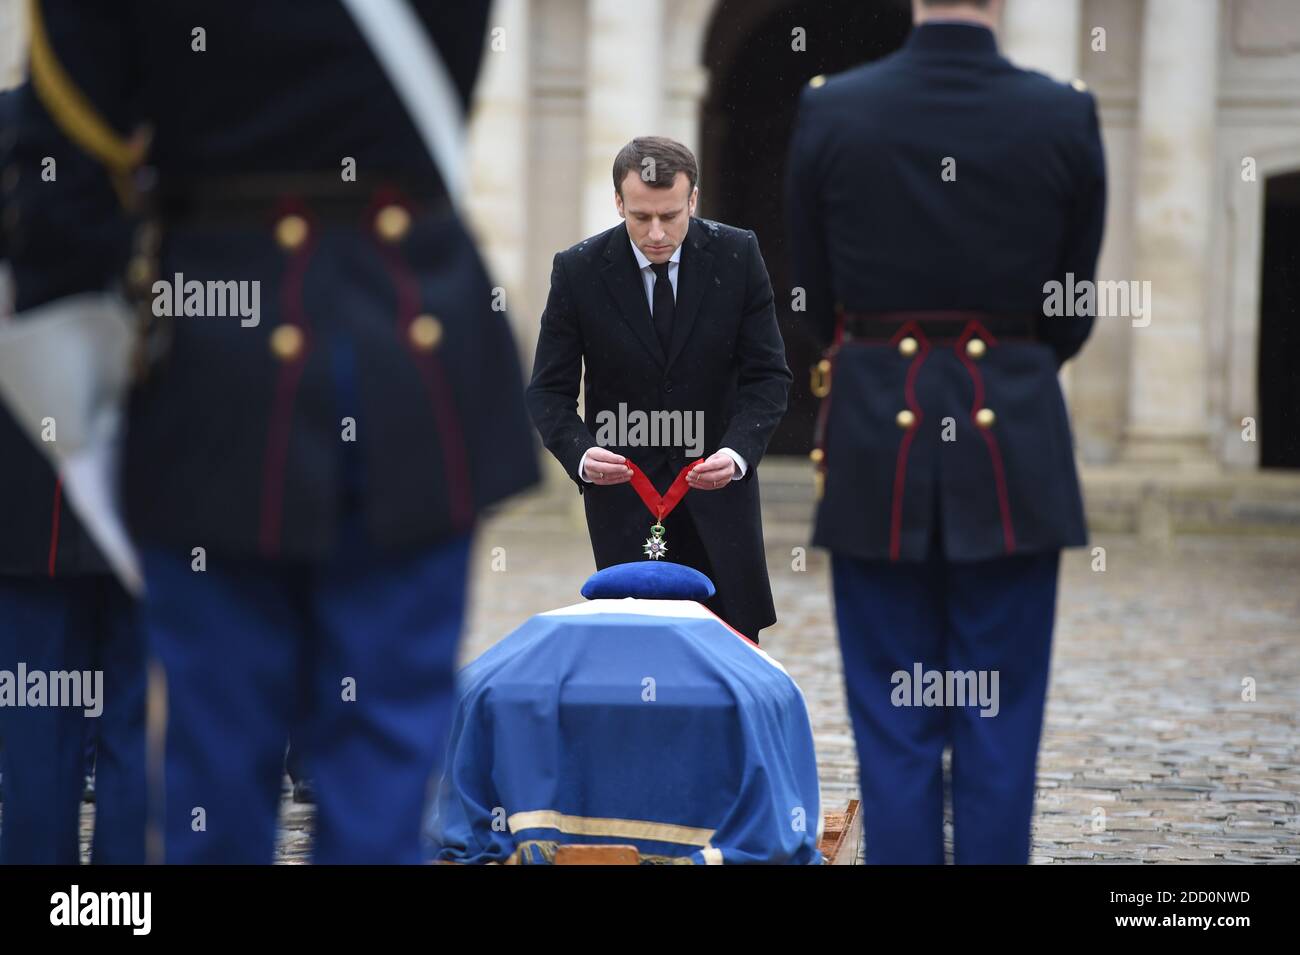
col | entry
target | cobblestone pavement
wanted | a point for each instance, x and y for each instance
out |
(1149, 752)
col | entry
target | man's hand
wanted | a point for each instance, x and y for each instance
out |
(714, 472)
(605, 467)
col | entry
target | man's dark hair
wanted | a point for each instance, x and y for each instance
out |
(667, 158)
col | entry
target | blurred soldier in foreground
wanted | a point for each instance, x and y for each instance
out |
(933, 194)
(326, 400)
(61, 612)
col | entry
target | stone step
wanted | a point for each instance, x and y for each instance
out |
(1153, 503)
(1148, 501)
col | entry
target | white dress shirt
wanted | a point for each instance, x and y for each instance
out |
(648, 278)
(648, 273)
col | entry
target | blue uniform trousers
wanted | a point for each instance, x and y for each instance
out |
(86, 624)
(994, 616)
(356, 657)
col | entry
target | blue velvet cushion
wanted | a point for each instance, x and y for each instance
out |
(650, 580)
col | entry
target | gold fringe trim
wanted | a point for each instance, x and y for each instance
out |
(524, 852)
(69, 106)
(618, 828)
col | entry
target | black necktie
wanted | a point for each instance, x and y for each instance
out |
(663, 305)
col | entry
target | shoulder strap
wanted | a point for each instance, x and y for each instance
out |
(414, 67)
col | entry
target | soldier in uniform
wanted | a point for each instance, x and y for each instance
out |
(932, 196)
(61, 610)
(301, 478)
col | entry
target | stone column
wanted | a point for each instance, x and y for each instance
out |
(1042, 35)
(499, 149)
(13, 42)
(683, 99)
(1175, 187)
(624, 71)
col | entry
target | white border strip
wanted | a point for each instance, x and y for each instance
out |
(686, 609)
(680, 609)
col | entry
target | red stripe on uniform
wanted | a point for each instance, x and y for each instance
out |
(995, 451)
(441, 399)
(54, 525)
(905, 446)
(278, 432)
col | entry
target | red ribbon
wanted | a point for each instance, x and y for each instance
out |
(660, 507)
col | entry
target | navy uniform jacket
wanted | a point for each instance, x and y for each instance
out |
(374, 305)
(39, 535)
(875, 228)
(726, 362)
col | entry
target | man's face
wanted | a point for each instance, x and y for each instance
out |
(657, 219)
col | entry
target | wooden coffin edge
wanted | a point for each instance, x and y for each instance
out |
(842, 835)
(841, 838)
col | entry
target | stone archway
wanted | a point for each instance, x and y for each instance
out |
(1254, 286)
(1279, 324)
(746, 118)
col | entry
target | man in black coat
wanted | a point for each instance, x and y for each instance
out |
(674, 319)
(934, 197)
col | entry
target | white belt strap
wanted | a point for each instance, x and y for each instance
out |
(409, 57)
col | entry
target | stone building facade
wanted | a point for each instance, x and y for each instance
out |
(1200, 107)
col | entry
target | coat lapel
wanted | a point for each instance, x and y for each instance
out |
(624, 283)
(694, 277)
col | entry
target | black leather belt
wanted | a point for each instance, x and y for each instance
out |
(936, 325)
(256, 198)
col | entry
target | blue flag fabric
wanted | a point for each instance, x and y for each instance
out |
(624, 721)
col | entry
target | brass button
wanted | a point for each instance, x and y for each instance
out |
(817, 455)
(392, 223)
(907, 347)
(817, 81)
(985, 417)
(291, 232)
(140, 272)
(905, 419)
(820, 382)
(425, 332)
(976, 348)
(286, 342)
(1079, 85)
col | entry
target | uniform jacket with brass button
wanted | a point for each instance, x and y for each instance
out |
(39, 535)
(944, 179)
(376, 314)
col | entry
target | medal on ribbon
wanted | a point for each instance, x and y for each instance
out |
(656, 545)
